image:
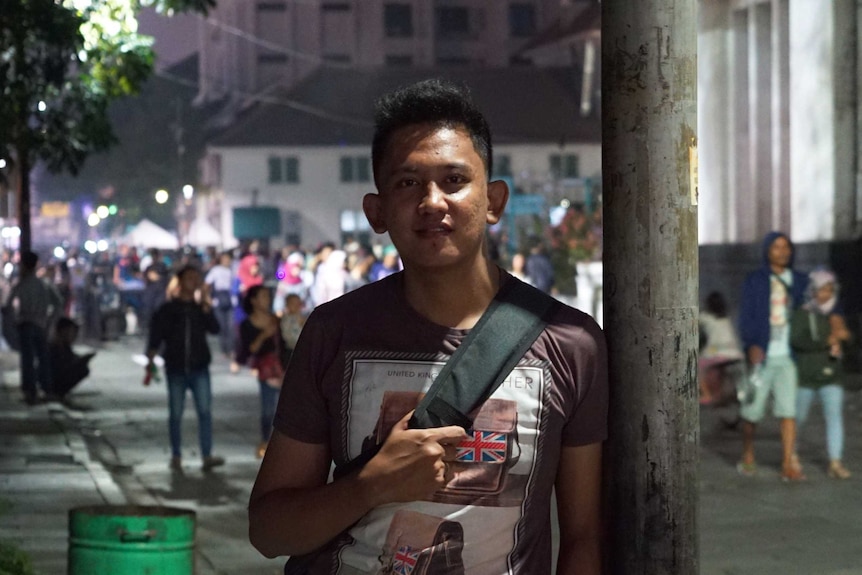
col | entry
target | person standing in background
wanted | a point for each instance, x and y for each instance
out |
(36, 304)
(220, 280)
(817, 337)
(179, 331)
(769, 297)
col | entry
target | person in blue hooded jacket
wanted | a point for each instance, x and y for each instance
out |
(769, 297)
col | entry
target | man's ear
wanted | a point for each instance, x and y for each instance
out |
(498, 197)
(373, 211)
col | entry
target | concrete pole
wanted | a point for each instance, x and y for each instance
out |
(649, 156)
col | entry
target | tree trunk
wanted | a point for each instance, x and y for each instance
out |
(26, 239)
(649, 158)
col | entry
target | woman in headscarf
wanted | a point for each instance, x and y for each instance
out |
(817, 336)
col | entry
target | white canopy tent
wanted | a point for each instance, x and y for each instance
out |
(202, 234)
(148, 234)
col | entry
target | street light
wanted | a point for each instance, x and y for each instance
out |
(93, 220)
(103, 212)
(162, 196)
(188, 192)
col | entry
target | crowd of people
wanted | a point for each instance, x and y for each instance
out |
(787, 350)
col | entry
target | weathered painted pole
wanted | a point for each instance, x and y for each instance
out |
(649, 156)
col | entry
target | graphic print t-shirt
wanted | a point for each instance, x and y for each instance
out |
(364, 360)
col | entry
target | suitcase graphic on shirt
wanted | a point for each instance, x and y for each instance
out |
(420, 544)
(482, 461)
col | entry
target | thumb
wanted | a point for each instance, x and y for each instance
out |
(404, 422)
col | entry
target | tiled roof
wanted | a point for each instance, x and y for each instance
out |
(335, 106)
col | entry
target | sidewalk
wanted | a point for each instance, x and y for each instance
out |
(111, 447)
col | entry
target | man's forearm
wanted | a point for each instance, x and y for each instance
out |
(580, 557)
(298, 521)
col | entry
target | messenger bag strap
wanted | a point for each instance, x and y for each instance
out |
(512, 322)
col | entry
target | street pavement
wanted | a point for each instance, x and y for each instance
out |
(109, 446)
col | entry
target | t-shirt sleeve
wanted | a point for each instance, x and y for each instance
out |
(588, 421)
(302, 412)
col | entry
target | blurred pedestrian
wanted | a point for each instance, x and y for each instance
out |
(68, 368)
(330, 281)
(539, 268)
(156, 279)
(292, 322)
(293, 278)
(179, 331)
(36, 305)
(263, 349)
(220, 280)
(817, 338)
(721, 352)
(388, 264)
(769, 297)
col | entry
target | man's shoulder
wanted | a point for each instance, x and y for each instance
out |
(369, 296)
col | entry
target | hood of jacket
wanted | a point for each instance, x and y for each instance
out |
(768, 240)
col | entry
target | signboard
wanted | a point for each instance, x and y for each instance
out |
(54, 210)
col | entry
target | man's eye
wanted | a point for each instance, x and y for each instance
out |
(406, 183)
(455, 179)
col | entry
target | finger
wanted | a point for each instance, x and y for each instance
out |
(450, 452)
(450, 435)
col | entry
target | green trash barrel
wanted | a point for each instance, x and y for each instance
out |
(131, 540)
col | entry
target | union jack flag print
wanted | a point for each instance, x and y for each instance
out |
(405, 560)
(485, 446)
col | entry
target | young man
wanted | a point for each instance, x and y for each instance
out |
(36, 304)
(769, 296)
(433, 499)
(179, 328)
(68, 368)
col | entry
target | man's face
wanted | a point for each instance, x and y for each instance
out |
(434, 197)
(780, 252)
(190, 281)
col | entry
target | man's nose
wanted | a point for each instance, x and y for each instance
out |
(434, 198)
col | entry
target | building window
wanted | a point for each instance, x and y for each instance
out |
(340, 58)
(398, 20)
(283, 170)
(271, 7)
(354, 226)
(399, 60)
(271, 58)
(355, 169)
(522, 20)
(453, 61)
(453, 22)
(336, 7)
(502, 165)
(565, 165)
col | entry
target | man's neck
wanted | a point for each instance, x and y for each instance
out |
(454, 298)
(777, 270)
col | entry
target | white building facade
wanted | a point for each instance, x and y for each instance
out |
(778, 120)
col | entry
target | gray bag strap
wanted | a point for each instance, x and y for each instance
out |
(512, 322)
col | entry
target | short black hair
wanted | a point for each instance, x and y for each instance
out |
(250, 294)
(65, 323)
(434, 101)
(716, 304)
(186, 269)
(29, 260)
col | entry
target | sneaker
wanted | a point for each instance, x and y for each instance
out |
(211, 461)
(176, 464)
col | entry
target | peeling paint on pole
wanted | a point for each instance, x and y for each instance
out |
(649, 156)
